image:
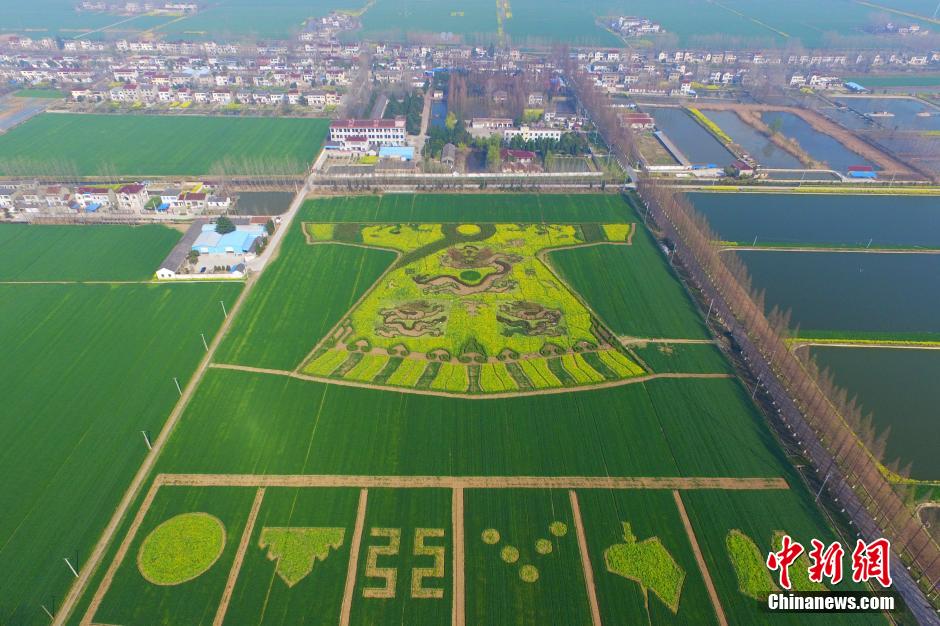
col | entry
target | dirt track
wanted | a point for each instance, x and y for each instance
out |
(458, 614)
(585, 559)
(350, 587)
(464, 396)
(887, 163)
(239, 559)
(471, 482)
(697, 551)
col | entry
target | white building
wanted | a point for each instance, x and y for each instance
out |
(532, 134)
(378, 132)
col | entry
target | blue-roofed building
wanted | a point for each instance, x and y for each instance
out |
(855, 87)
(401, 153)
(238, 241)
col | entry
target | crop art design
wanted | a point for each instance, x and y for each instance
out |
(471, 309)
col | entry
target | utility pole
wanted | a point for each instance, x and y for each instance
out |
(224, 312)
(176, 380)
(70, 567)
(146, 439)
(823, 486)
(204, 344)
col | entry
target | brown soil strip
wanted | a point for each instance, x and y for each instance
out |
(626, 341)
(632, 232)
(239, 559)
(706, 576)
(472, 482)
(465, 396)
(458, 614)
(350, 587)
(119, 557)
(747, 112)
(585, 559)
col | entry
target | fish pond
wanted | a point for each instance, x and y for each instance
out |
(757, 145)
(823, 220)
(698, 145)
(899, 388)
(851, 293)
(819, 145)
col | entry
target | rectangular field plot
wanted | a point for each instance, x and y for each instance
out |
(631, 289)
(522, 559)
(644, 573)
(162, 145)
(405, 572)
(179, 559)
(744, 524)
(414, 208)
(70, 426)
(296, 561)
(35, 253)
(665, 356)
(245, 422)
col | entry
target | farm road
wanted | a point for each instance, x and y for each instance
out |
(472, 482)
(466, 396)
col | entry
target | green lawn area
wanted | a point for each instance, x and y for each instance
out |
(34, 253)
(142, 145)
(70, 423)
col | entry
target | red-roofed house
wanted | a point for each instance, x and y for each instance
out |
(133, 197)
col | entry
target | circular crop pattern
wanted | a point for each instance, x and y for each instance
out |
(181, 548)
(543, 546)
(491, 536)
(510, 554)
(559, 529)
(529, 573)
(470, 276)
(468, 230)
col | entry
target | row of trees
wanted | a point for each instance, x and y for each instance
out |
(410, 106)
(828, 427)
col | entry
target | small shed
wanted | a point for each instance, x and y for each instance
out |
(449, 155)
(862, 171)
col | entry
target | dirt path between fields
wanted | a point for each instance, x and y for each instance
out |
(350, 587)
(629, 341)
(463, 396)
(706, 576)
(121, 553)
(473, 482)
(886, 162)
(239, 559)
(585, 559)
(458, 614)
